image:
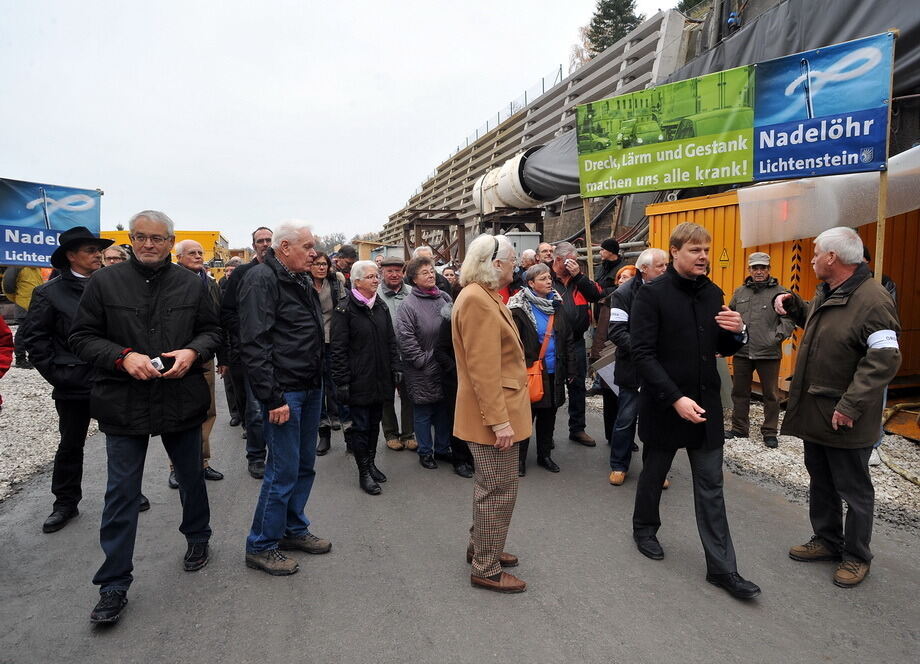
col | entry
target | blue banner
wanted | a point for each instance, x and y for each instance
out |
(823, 112)
(32, 216)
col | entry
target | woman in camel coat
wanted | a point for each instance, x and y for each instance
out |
(493, 404)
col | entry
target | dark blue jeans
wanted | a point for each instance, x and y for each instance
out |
(255, 426)
(289, 473)
(428, 415)
(624, 430)
(126, 456)
(576, 388)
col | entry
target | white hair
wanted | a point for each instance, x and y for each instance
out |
(154, 216)
(528, 254)
(418, 251)
(478, 266)
(183, 245)
(843, 241)
(120, 249)
(359, 269)
(647, 257)
(290, 230)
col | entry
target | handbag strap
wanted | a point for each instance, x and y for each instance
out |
(547, 335)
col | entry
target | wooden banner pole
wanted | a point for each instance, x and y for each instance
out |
(586, 208)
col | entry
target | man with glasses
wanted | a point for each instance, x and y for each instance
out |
(763, 351)
(44, 335)
(146, 326)
(230, 321)
(190, 255)
(114, 255)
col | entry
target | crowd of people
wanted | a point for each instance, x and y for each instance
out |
(481, 357)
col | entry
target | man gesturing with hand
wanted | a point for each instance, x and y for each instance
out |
(678, 326)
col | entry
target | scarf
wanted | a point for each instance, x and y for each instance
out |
(303, 279)
(361, 298)
(526, 300)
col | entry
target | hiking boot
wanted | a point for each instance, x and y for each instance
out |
(813, 550)
(309, 543)
(272, 561)
(411, 444)
(108, 609)
(196, 556)
(395, 444)
(850, 573)
(617, 477)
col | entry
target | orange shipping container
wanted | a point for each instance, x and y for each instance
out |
(791, 265)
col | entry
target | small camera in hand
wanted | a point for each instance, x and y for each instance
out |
(162, 364)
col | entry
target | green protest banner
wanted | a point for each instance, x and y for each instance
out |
(692, 133)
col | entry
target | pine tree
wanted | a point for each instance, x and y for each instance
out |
(612, 20)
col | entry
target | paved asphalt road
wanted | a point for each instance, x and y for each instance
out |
(396, 587)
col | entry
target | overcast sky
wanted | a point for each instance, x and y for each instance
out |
(229, 115)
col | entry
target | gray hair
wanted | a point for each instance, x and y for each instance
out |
(156, 217)
(528, 254)
(359, 269)
(120, 249)
(843, 241)
(235, 261)
(418, 251)
(290, 230)
(477, 266)
(183, 245)
(535, 271)
(564, 250)
(647, 257)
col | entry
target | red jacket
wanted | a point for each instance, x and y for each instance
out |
(6, 349)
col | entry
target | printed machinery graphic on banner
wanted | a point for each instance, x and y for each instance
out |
(33, 215)
(820, 112)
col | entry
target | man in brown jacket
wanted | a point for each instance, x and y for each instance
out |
(848, 356)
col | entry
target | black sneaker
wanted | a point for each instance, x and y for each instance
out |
(196, 556)
(108, 609)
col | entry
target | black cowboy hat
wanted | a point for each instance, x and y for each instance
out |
(71, 239)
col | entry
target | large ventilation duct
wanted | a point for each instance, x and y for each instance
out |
(505, 187)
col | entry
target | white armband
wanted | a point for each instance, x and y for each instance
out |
(618, 316)
(883, 339)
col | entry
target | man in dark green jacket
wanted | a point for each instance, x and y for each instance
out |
(763, 351)
(848, 356)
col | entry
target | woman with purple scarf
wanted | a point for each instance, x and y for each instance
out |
(365, 367)
(418, 326)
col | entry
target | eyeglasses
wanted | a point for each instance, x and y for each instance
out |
(320, 264)
(141, 239)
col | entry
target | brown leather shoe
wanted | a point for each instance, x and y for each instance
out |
(583, 438)
(813, 550)
(850, 573)
(395, 444)
(411, 444)
(504, 559)
(617, 477)
(506, 583)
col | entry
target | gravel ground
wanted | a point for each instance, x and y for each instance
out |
(28, 428)
(783, 469)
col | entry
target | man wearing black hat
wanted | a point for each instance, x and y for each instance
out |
(44, 335)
